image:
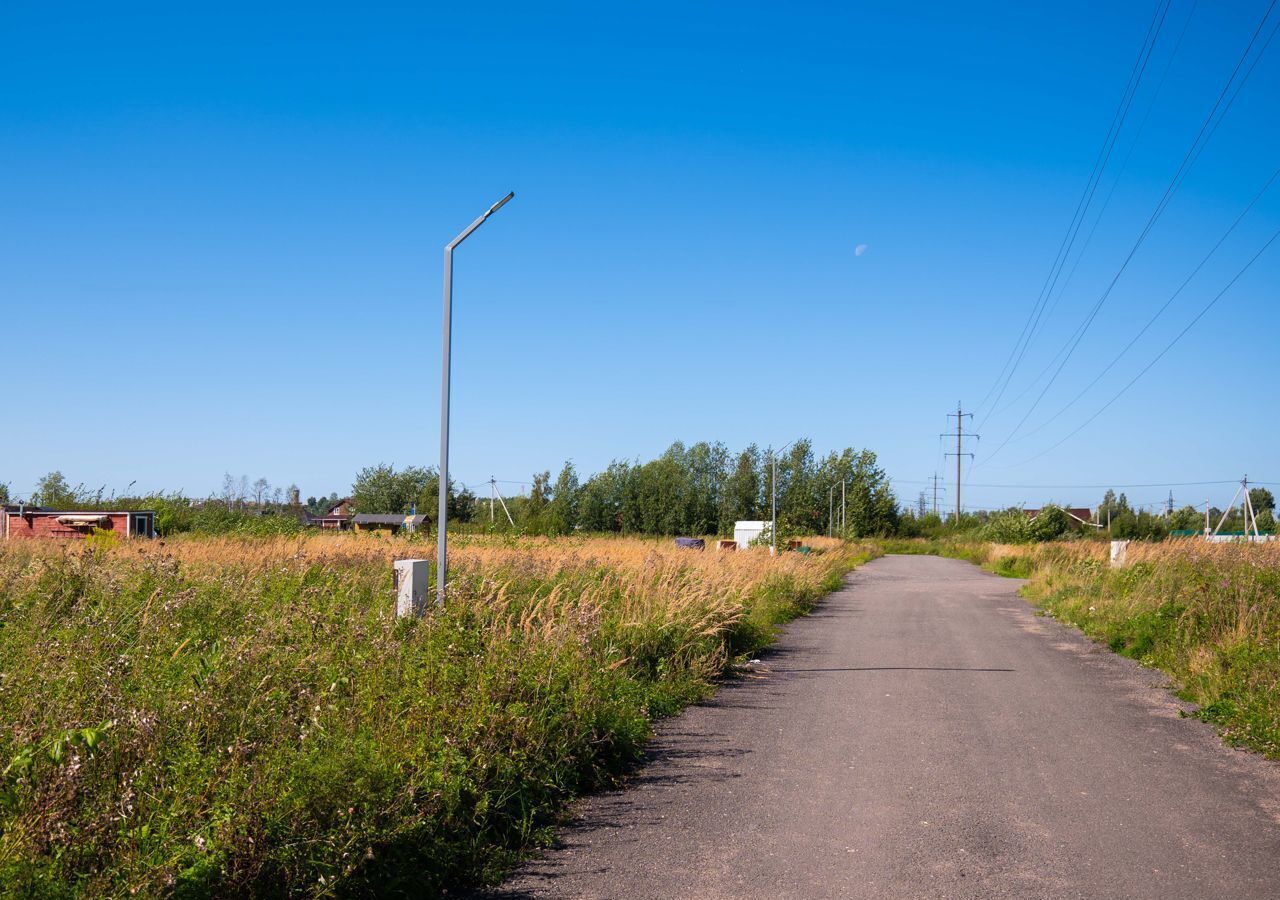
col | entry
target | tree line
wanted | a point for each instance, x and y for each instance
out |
(1114, 518)
(698, 489)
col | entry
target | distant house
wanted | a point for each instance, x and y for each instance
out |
(337, 517)
(387, 523)
(23, 521)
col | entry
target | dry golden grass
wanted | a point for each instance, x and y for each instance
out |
(231, 716)
(654, 578)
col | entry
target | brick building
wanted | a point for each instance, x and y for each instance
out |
(36, 522)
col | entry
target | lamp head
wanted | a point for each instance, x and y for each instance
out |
(497, 206)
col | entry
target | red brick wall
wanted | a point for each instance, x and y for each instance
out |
(46, 526)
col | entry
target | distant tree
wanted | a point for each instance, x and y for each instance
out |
(381, 489)
(1267, 521)
(536, 504)
(1261, 498)
(462, 502)
(562, 511)
(798, 503)
(600, 499)
(740, 497)
(260, 488)
(1188, 518)
(4, 492)
(707, 467)
(1108, 508)
(53, 490)
(872, 508)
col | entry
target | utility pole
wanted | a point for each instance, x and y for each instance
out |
(959, 435)
(494, 492)
(1246, 507)
(773, 502)
(842, 526)
(921, 504)
(935, 481)
(1250, 512)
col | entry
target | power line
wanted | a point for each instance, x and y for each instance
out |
(1160, 484)
(1161, 310)
(1179, 176)
(1082, 205)
(1161, 354)
(1101, 212)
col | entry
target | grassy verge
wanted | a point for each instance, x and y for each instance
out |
(1206, 614)
(1008, 560)
(231, 717)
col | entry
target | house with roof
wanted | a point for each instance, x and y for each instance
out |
(22, 521)
(387, 523)
(337, 517)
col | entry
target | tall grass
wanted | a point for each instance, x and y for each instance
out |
(245, 716)
(1208, 614)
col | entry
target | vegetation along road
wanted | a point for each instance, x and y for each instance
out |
(925, 734)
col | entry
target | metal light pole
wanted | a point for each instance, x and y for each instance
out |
(773, 490)
(442, 519)
(831, 495)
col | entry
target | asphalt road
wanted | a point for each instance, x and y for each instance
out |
(925, 734)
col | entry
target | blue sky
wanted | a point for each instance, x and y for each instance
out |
(220, 243)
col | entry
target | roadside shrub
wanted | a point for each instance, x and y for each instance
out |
(1009, 527)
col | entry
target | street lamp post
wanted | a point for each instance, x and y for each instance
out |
(843, 482)
(442, 519)
(773, 491)
(831, 497)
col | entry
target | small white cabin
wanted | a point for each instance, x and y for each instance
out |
(746, 532)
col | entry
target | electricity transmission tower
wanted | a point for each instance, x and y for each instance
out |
(935, 479)
(959, 435)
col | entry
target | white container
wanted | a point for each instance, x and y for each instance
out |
(746, 532)
(412, 589)
(1118, 549)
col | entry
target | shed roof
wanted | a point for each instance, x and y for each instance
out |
(384, 519)
(46, 511)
